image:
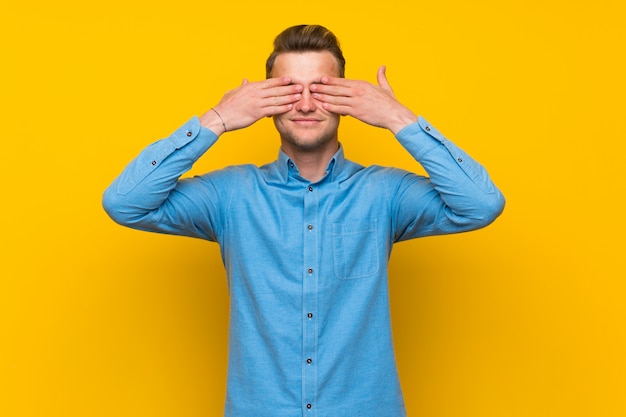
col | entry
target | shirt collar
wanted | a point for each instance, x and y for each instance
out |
(288, 168)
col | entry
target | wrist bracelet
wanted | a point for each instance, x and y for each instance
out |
(222, 120)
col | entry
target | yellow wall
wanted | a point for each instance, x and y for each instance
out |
(524, 318)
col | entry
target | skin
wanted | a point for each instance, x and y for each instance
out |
(306, 98)
(308, 132)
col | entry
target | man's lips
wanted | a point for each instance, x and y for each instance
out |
(305, 120)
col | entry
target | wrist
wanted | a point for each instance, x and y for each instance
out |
(213, 121)
(402, 120)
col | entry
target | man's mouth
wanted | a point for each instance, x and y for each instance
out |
(305, 120)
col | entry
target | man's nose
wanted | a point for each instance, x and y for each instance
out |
(306, 103)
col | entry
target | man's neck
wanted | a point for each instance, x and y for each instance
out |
(312, 164)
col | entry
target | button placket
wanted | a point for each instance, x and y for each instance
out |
(309, 299)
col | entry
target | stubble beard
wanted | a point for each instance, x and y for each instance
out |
(308, 141)
(309, 144)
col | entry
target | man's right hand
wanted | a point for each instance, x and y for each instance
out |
(251, 101)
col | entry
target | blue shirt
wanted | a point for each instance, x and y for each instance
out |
(310, 330)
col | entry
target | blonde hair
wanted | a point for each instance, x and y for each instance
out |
(306, 38)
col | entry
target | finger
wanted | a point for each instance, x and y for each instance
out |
(331, 89)
(336, 85)
(334, 100)
(275, 82)
(282, 90)
(274, 110)
(280, 100)
(244, 82)
(344, 82)
(337, 109)
(381, 76)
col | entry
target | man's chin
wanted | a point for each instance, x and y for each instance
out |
(307, 144)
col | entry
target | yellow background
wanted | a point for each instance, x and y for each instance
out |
(524, 318)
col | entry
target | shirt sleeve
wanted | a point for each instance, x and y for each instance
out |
(149, 196)
(457, 196)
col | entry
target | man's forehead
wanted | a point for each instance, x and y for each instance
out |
(308, 66)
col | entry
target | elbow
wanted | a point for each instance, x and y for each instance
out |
(491, 208)
(113, 205)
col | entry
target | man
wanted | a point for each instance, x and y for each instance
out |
(305, 240)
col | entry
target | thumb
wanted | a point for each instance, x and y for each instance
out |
(244, 82)
(381, 76)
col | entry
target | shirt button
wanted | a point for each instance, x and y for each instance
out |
(153, 162)
(310, 227)
(309, 361)
(427, 129)
(310, 270)
(309, 406)
(188, 133)
(310, 188)
(460, 159)
(310, 315)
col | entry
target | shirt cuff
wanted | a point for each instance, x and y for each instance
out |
(420, 137)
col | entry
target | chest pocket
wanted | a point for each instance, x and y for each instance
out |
(355, 247)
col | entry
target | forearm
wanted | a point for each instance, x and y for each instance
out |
(145, 184)
(470, 199)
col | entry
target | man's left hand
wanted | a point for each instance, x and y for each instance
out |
(373, 104)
